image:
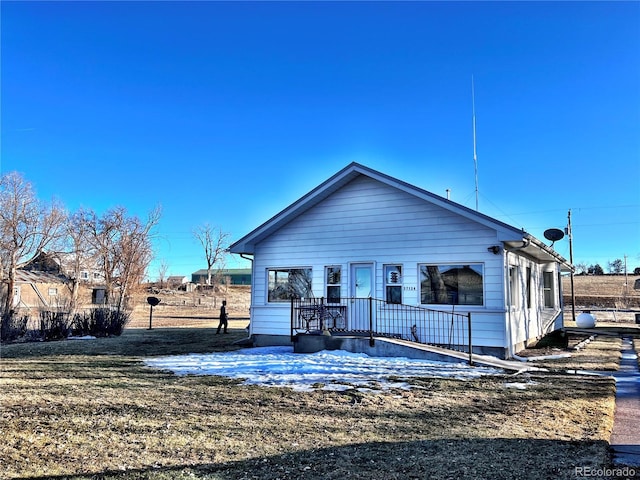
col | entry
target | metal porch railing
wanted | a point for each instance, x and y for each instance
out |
(377, 318)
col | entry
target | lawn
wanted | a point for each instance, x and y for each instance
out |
(91, 410)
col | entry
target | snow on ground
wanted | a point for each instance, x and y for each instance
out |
(327, 370)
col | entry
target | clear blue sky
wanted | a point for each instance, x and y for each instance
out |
(228, 112)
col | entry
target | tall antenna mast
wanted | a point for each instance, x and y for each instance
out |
(475, 155)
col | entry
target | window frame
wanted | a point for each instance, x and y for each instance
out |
(334, 286)
(279, 299)
(514, 298)
(449, 293)
(389, 284)
(548, 290)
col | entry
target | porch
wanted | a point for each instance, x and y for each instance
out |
(369, 318)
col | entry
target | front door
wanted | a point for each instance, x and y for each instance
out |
(362, 287)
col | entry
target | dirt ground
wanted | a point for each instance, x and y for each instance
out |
(193, 309)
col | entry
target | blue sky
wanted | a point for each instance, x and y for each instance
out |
(227, 112)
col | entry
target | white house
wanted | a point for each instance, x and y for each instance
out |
(364, 234)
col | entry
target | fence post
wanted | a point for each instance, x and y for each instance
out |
(371, 340)
(292, 318)
(470, 343)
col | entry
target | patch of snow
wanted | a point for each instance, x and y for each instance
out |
(519, 385)
(335, 370)
(85, 337)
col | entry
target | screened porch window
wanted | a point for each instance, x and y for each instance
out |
(288, 283)
(547, 288)
(513, 286)
(451, 284)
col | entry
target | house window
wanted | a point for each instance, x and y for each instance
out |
(96, 276)
(451, 284)
(513, 286)
(84, 275)
(53, 292)
(547, 289)
(288, 283)
(393, 283)
(332, 279)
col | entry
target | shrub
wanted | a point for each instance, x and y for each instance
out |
(100, 322)
(12, 326)
(54, 325)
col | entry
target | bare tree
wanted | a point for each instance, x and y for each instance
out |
(214, 243)
(80, 250)
(163, 268)
(123, 248)
(27, 227)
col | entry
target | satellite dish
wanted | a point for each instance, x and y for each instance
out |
(553, 234)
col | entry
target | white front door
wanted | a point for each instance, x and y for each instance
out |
(361, 288)
(362, 280)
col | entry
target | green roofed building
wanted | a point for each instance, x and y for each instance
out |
(236, 276)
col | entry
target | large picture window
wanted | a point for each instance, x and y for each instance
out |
(451, 284)
(288, 283)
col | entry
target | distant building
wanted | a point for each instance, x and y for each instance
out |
(175, 281)
(235, 276)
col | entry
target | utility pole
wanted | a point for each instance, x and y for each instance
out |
(626, 279)
(573, 296)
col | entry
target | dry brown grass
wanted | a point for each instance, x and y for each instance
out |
(193, 309)
(604, 291)
(91, 409)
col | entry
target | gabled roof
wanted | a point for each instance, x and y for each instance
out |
(512, 236)
(27, 276)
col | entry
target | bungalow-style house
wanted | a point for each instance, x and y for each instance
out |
(363, 234)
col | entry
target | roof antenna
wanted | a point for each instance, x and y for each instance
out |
(475, 156)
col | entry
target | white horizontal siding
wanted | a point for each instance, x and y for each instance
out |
(367, 221)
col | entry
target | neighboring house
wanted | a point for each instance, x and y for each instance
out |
(40, 290)
(46, 282)
(63, 263)
(362, 233)
(177, 281)
(235, 276)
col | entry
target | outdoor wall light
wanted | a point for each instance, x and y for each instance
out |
(495, 249)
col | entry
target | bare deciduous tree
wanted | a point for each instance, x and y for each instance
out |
(27, 227)
(163, 268)
(123, 248)
(80, 250)
(214, 243)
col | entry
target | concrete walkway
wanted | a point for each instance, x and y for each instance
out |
(625, 438)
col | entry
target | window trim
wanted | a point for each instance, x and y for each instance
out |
(514, 298)
(548, 274)
(287, 270)
(454, 264)
(337, 284)
(388, 285)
